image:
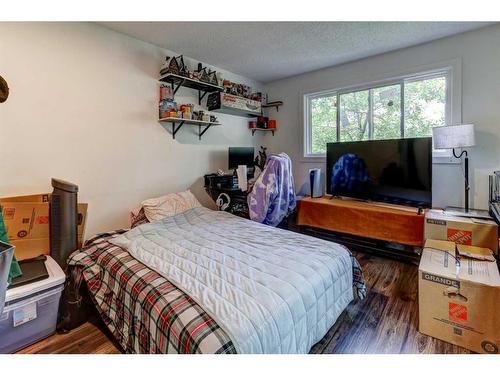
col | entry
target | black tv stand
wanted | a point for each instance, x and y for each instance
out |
(405, 253)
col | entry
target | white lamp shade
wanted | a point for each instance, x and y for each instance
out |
(453, 136)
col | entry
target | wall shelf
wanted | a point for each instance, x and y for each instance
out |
(182, 121)
(263, 130)
(177, 81)
(276, 104)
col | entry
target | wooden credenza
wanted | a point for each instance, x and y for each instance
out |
(379, 221)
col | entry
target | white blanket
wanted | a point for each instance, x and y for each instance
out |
(271, 290)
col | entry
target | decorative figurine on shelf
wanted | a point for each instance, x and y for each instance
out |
(212, 77)
(204, 76)
(174, 65)
(260, 160)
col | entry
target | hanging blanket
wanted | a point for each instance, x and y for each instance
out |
(273, 195)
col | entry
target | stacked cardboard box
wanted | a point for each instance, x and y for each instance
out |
(461, 230)
(27, 221)
(459, 282)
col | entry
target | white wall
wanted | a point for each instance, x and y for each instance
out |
(83, 107)
(479, 54)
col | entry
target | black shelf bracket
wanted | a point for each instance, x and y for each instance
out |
(201, 96)
(175, 130)
(275, 106)
(200, 133)
(175, 89)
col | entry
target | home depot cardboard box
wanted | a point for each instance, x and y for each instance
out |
(459, 301)
(27, 221)
(461, 230)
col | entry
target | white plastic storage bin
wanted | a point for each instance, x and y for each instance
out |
(30, 312)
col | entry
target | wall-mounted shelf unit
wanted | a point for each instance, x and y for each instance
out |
(177, 81)
(276, 104)
(181, 121)
(262, 130)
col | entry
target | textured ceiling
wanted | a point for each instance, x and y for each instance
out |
(267, 51)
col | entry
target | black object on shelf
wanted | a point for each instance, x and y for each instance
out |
(63, 221)
(177, 81)
(227, 103)
(33, 270)
(227, 186)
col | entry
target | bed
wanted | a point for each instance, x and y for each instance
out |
(206, 281)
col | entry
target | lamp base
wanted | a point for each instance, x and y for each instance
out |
(473, 213)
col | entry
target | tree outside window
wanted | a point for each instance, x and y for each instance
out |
(408, 108)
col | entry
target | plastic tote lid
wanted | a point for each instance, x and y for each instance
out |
(56, 278)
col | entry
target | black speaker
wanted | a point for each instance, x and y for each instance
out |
(63, 221)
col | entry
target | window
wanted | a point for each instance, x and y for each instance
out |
(399, 108)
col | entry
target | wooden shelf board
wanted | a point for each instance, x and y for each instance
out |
(187, 121)
(272, 104)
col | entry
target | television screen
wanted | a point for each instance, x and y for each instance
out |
(396, 170)
(241, 156)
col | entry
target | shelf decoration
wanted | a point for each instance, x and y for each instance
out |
(263, 124)
(174, 65)
(174, 75)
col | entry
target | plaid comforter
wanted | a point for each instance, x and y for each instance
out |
(145, 312)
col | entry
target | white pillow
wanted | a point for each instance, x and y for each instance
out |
(169, 205)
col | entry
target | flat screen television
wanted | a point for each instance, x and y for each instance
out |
(396, 171)
(241, 156)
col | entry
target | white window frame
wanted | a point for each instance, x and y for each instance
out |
(451, 70)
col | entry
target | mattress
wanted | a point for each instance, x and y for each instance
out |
(270, 290)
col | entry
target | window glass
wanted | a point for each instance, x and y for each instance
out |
(323, 122)
(425, 106)
(354, 116)
(377, 112)
(387, 112)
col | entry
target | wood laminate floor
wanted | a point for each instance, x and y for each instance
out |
(385, 322)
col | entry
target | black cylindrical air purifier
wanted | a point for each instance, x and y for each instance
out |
(63, 221)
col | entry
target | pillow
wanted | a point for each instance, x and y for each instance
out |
(137, 217)
(169, 205)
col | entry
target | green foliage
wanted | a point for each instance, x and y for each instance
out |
(354, 116)
(324, 122)
(424, 108)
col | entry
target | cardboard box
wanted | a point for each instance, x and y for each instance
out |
(459, 302)
(461, 230)
(28, 227)
(26, 249)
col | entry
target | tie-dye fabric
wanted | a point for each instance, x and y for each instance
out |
(273, 195)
